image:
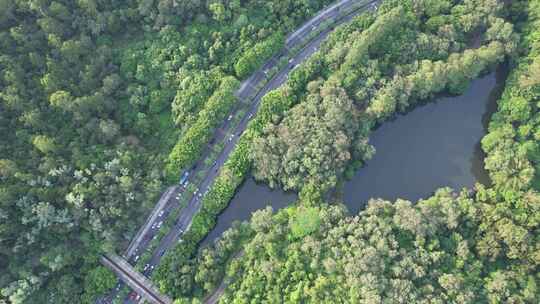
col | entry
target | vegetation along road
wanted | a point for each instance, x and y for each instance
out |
(338, 13)
(269, 151)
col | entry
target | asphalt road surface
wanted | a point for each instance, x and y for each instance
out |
(186, 215)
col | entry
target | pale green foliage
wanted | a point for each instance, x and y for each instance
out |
(313, 143)
(390, 252)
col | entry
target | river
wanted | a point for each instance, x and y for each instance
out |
(435, 145)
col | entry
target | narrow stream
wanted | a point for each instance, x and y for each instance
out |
(435, 145)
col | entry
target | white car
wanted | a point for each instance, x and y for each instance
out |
(152, 267)
(161, 213)
(138, 297)
(146, 267)
(136, 258)
(229, 118)
(159, 224)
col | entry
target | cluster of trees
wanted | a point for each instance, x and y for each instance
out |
(191, 144)
(179, 273)
(90, 92)
(512, 143)
(383, 65)
(314, 142)
(256, 56)
(233, 43)
(434, 251)
(73, 171)
(475, 246)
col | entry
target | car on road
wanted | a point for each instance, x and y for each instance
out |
(199, 194)
(250, 115)
(184, 177)
(152, 267)
(161, 213)
(229, 118)
(137, 297)
(136, 258)
(159, 224)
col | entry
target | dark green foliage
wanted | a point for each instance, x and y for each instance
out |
(90, 92)
(98, 281)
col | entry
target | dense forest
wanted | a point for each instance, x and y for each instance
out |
(104, 103)
(409, 52)
(435, 251)
(474, 246)
(94, 96)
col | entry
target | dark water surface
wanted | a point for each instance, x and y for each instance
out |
(435, 145)
(249, 198)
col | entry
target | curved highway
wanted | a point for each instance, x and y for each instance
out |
(183, 221)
